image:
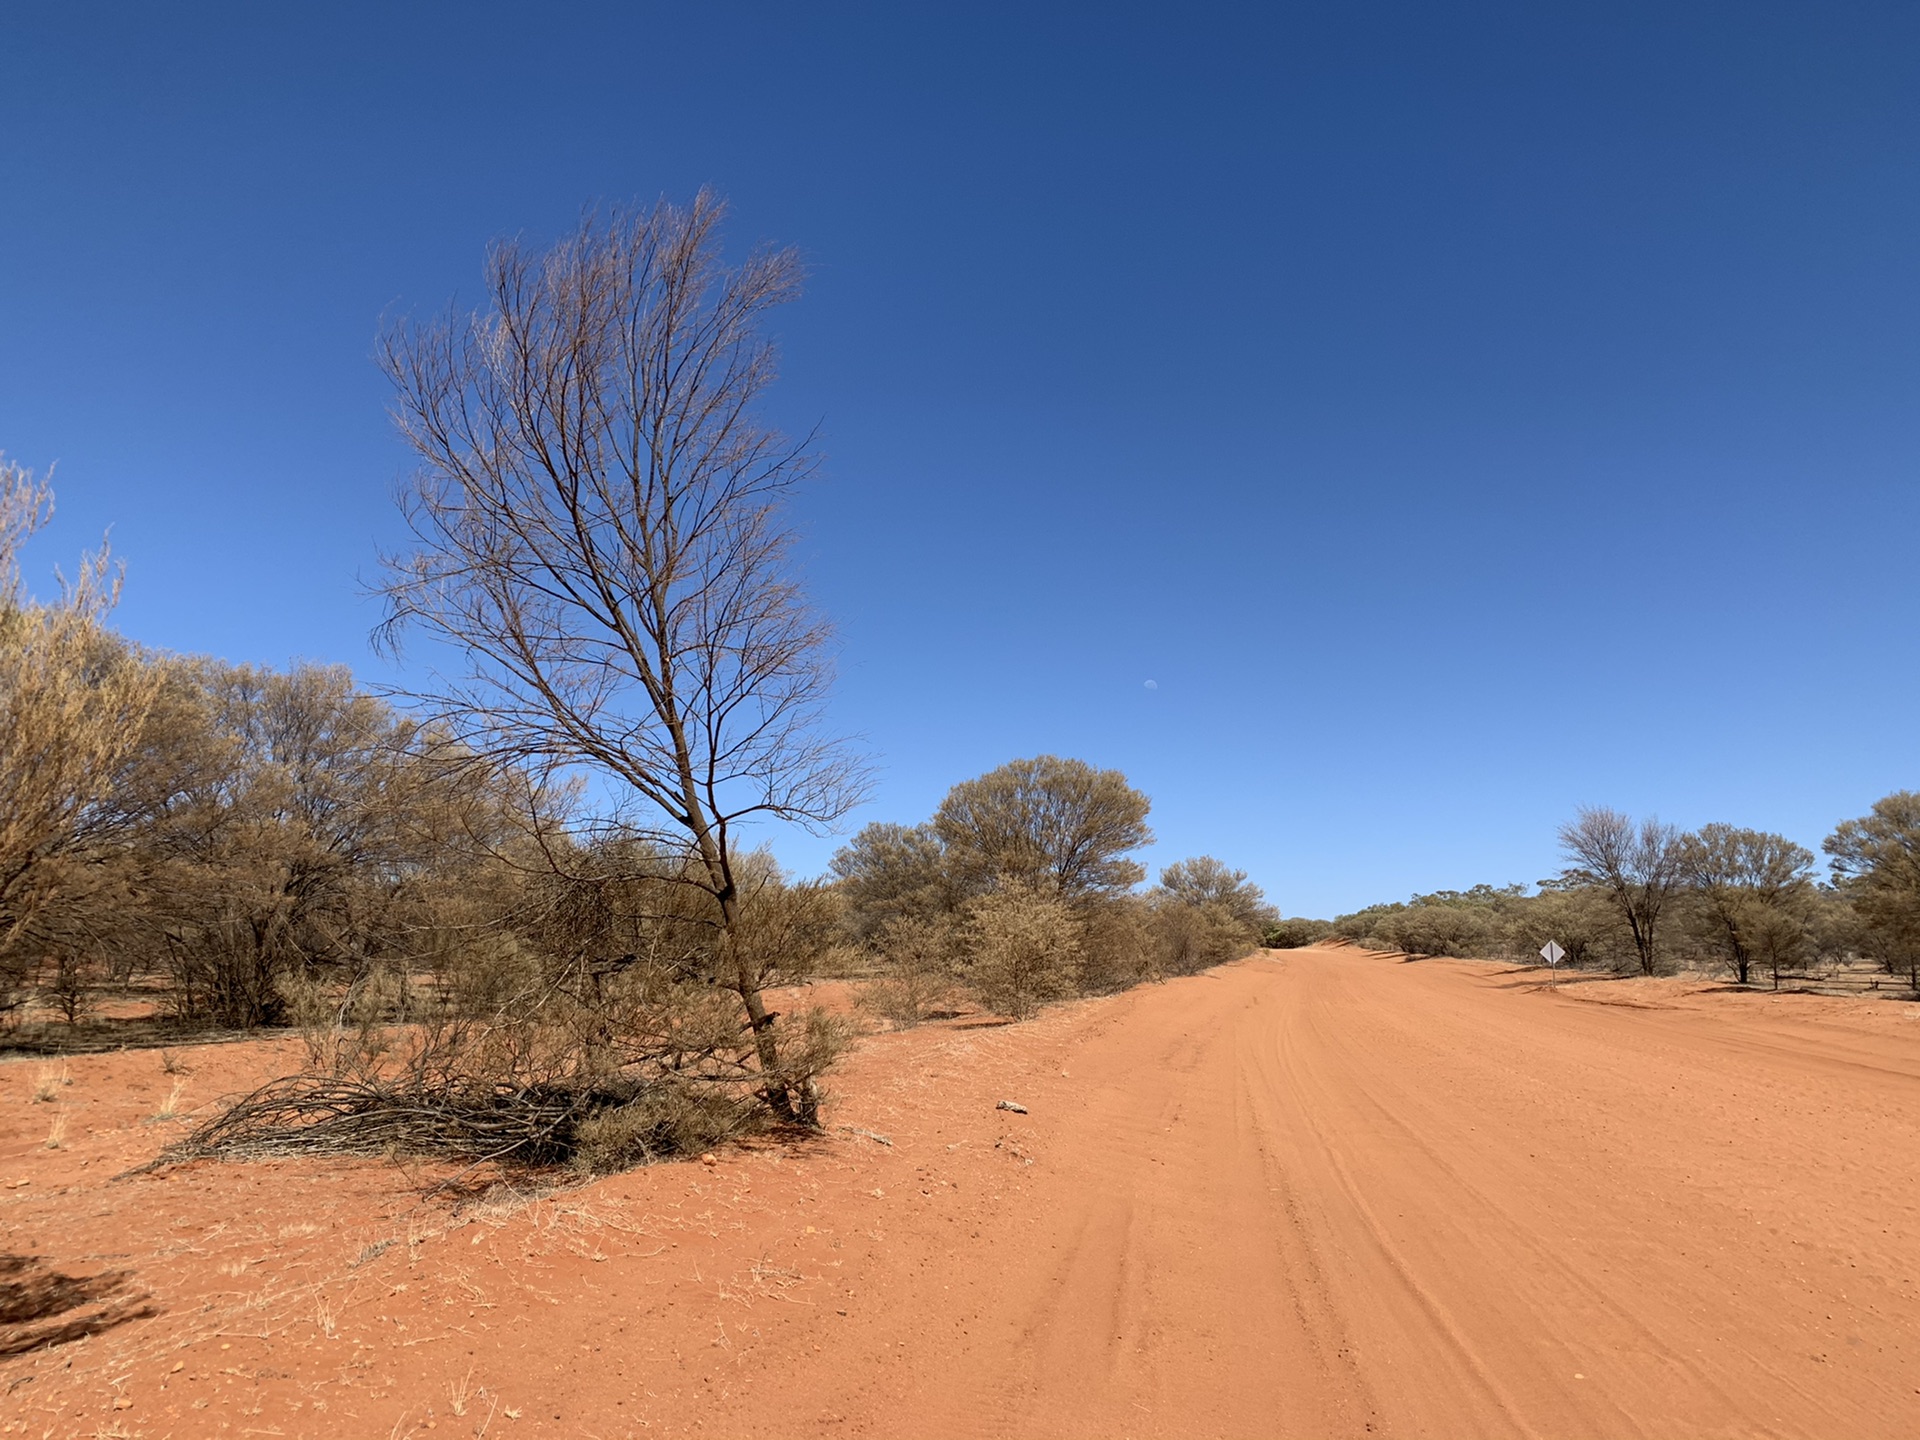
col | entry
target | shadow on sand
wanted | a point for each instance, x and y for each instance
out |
(40, 1307)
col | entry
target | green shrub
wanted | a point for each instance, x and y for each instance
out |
(1292, 934)
(1437, 930)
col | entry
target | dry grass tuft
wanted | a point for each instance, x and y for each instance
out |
(48, 1081)
(170, 1107)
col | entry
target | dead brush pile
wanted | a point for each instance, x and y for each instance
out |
(595, 1037)
(605, 1127)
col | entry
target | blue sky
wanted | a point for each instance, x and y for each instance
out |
(1460, 412)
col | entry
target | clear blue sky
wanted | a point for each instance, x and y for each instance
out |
(1461, 412)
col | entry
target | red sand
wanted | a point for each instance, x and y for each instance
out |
(1318, 1193)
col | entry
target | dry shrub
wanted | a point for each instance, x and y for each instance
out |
(917, 980)
(667, 1119)
(1047, 822)
(1021, 946)
(1024, 944)
(583, 1028)
(1191, 937)
(307, 826)
(1579, 920)
(1116, 947)
(785, 930)
(1437, 929)
(811, 1042)
(892, 876)
(73, 697)
(1020, 890)
(47, 1081)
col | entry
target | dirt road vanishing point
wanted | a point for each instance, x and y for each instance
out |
(1319, 1193)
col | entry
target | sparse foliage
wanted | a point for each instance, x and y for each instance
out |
(300, 826)
(921, 959)
(586, 1029)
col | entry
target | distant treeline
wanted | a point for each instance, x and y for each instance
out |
(1649, 898)
(1021, 890)
(250, 847)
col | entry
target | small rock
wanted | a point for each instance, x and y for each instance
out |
(709, 1158)
(1017, 1108)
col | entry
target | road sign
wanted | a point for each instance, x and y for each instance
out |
(1552, 953)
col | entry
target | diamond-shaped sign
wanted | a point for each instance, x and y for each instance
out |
(1552, 953)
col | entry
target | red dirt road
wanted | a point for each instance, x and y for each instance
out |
(1318, 1193)
(1334, 1194)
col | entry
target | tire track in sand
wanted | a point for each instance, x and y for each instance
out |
(1328, 1194)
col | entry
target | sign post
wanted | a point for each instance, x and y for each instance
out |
(1552, 953)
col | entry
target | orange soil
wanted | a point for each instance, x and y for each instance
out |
(1318, 1193)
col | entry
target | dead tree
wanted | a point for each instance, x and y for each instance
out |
(600, 541)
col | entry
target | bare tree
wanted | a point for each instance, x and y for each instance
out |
(1638, 866)
(600, 537)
